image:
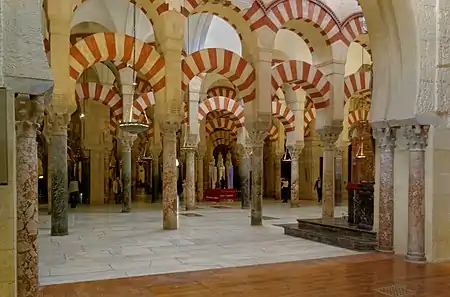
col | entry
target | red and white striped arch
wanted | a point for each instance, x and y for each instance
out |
(303, 75)
(356, 116)
(353, 31)
(118, 47)
(357, 83)
(224, 62)
(143, 86)
(273, 134)
(141, 104)
(222, 103)
(282, 112)
(310, 115)
(222, 135)
(311, 12)
(220, 123)
(185, 109)
(222, 91)
(307, 131)
(108, 95)
(222, 141)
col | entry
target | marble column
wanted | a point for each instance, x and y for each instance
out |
(416, 137)
(106, 176)
(200, 166)
(257, 143)
(329, 137)
(386, 143)
(277, 175)
(338, 175)
(190, 178)
(156, 174)
(244, 174)
(60, 193)
(294, 151)
(126, 142)
(270, 183)
(170, 196)
(29, 113)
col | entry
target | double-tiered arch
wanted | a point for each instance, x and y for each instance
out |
(234, 109)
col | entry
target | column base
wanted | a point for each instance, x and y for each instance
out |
(125, 211)
(416, 258)
(295, 204)
(384, 250)
(170, 227)
(245, 207)
(255, 222)
(59, 233)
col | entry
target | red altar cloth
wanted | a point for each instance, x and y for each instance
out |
(218, 195)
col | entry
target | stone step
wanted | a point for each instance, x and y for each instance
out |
(356, 243)
(336, 227)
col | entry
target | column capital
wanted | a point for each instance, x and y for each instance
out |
(245, 151)
(169, 127)
(329, 136)
(201, 151)
(59, 123)
(416, 137)
(126, 141)
(29, 114)
(295, 150)
(256, 138)
(385, 137)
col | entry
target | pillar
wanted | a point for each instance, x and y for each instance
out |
(190, 178)
(338, 175)
(416, 137)
(295, 151)
(169, 180)
(28, 115)
(269, 168)
(106, 175)
(244, 174)
(329, 137)
(277, 178)
(60, 195)
(386, 143)
(257, 144)
(200, 166)
(126, 142)
(156, 174)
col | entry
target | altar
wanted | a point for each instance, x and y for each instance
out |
(221, 195)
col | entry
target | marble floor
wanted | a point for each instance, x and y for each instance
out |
(106, 244)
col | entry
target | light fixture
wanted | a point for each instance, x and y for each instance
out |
(82, 115)
(130, 126)
(41, 176)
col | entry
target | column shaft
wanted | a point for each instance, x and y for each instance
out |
(190, 179)
(257, 138)
(170, 196)
(126, 178)
(200, 166)
(417, 142)
(60, 195)
(386, 143)
(156, 177)
(244, 172)
(277, 181)
(27, 197)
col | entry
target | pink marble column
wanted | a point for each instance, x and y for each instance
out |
(190, 178)
(257, 138)
(294, 151)
(416, 137)
(169, 179)
(29, 114)
(200, 166)
(329, 137)
(386, 143)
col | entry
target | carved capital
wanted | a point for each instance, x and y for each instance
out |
(29, 114)
(295, 151)
(416, 137)
(59, 123)
(190, 141)
(385, 138)
(245, 151)
(256, 138)
(329, 136)
(126, 141)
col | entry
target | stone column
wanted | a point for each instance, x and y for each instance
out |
(386, 143)
(277, 181)
(329, 137)
(170, 196)
(29, 114)
(294, 151)
(156, 173)
(270, 182)
(106, 176)
(200, 166)
(257, 143)
(190, 178)
(126, 142)
(60, 193)
(244, 173)
(338, 175)
(416, 137)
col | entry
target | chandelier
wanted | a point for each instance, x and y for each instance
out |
(130, 126)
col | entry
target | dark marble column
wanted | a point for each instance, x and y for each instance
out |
(126, 142)
(294, 151)
(156, 174)
(60, 193)
(170, 196)
(244, 173)
(256, 138)
(200, 166)
(29, 114)
(416, 137)
(329, 136)
(277, 176)
(190, 178)
(386, 143)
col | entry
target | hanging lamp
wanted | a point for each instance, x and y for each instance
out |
(130, 126)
